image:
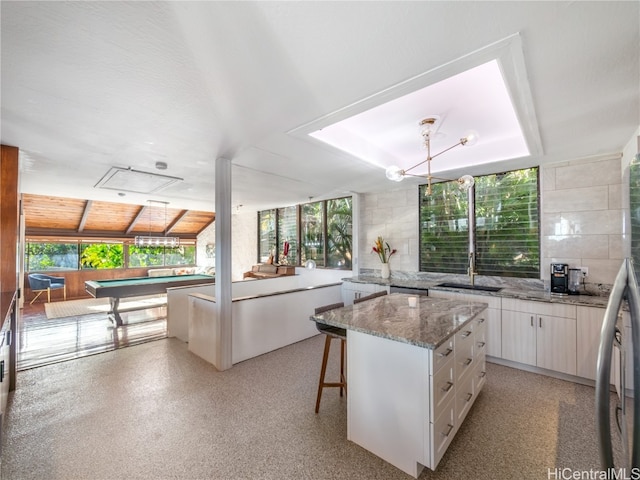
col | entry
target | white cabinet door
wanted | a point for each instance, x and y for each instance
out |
(494, 332)
(541, 334)
(556, 344)
(588, 330)
(519, 337)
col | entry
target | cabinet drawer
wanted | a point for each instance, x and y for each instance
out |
(539, 308)
(465, 395)
(480, 337)
(441, 355)
(443, 387)
(442, 432)
(479, 375)
(464, 351)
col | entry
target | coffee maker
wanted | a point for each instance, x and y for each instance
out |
(560, 278)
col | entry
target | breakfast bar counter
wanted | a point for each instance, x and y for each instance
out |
(412, 374)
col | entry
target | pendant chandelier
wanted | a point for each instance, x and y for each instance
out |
(157, 241)
(397, 174)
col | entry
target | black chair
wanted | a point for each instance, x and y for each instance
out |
(331, 333)
(369, 297)
(39, 282)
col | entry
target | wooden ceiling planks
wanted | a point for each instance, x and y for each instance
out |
(52, 213)
(65, 217)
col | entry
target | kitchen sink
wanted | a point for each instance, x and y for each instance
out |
(466, 286)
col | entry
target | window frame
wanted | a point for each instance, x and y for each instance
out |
(459, 267)
(85, 241)
(299, 240)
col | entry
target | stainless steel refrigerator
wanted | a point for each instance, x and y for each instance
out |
(618, 352)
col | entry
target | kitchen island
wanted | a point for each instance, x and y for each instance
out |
(412, 374)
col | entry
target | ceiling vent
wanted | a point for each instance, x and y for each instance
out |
(129, 180)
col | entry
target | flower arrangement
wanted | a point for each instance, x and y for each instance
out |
(383, 250)
(285, 253)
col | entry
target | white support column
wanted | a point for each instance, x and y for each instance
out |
(355, 233)
(223, 264)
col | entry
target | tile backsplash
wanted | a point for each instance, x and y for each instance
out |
(582, 220)
(582, 216)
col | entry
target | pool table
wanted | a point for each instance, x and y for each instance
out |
(139, 286)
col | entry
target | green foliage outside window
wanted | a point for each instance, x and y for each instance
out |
(161, 256)
(339, 226)
(507, 226)
(102, 255)
(51, 256)
(267, 233)
(318, 231)
(312, 231)
(288, 235)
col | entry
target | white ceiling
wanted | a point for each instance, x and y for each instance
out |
(87, 86)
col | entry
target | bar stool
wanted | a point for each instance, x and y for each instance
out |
(331, 333)
(369, 297)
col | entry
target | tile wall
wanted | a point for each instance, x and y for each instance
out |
(394, 216)
(583, 211)
(244, 237)
(582, 216)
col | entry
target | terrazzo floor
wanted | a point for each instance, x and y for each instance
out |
(156, 411)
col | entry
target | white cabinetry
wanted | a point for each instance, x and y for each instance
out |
(589, 326)
(352, 290)
(406, 403)
(493, 316)
(539, 334)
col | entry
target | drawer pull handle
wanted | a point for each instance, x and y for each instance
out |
(448, 431)
(540, 321)
(481, 320)
(469, 396)
(482, 374)
(532, 320)
(446, 353)
(481, 344)
(467, 362)
(448, 387)
(466, 333)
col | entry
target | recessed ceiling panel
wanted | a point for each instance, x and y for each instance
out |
(476, 99)
(129, 180)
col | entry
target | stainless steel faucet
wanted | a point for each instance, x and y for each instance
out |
(471, 212)
(471, 270)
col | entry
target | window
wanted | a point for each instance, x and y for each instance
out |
(288, 235)
(339, 233)
(162, 256)
(312, 228)
(101, 255)
(47, 255)
(506, 226)
(318, 231)
(267, 233)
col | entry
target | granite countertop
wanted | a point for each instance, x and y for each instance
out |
(428, 325)
(523, 290)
